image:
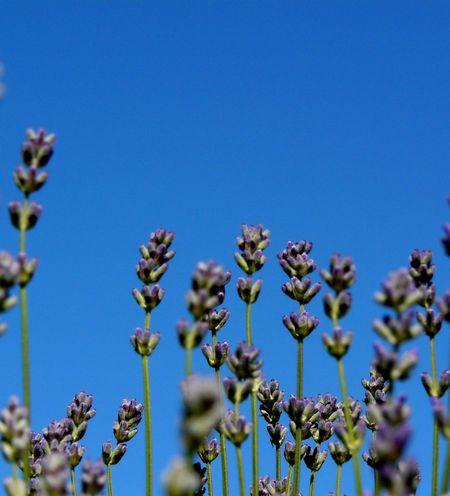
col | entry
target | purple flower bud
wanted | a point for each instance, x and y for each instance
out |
(29, 180)
(300, 326)
(397, 330)
(9, 270)
(144, 342)
(37, 150)
(421, 267)
(80, 411)
(277, 433)
(392, 367)
(341, 274)
(329, 407)
(403, 478)
(181, 479)
(216, 355)
(301, 411)
(112, 456)
(155, 256)
(75, 452)
(27, 269)
(237, 391)
(271, 398)
(128, 418)
(442, 417)
(202, 411)
(248, 289)
(24, 216)
(217, 319)
(321, 431)
(201, 472)
(244, 362)
(339, 452)
(314, 458)
(149, 297)
(444, 306)
(446, 239)
(430, 322)
(191, 336)
(236, 428)
(376, 388)
(14, 431)
(399, 291)
(436, 390)
(289, 453)
(337, 306)
(55, 473)
(302, 291)
(268, 487)
(294, 259)
(338, 343)
(209, 450)
(58, 434)
(253, 241)
(93, 478)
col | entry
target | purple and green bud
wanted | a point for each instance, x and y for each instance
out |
(155, 256)
(236, 428)
(149, 297)
(37, 150)
(391, 366)
(421, 267)
(216, 319)
(14, 431)
(55, 474)
(338, 343)
(341, 274)
(339, 452)
(181, 479)
(244, 362)
(128, 418)
(112, 456)
(208, 451)
(75, 452)
(216, 355)
(430, 322)
(271, 398)
(80, 411)
(300, 326)
(253, 241)
(237, 391)
(277, 434)
(144, 342)
(314, 458)
(248, 289)
(399, 291)
(436, 390)
(301, 290)
(294, 259)
(191, 335)
(24, 216)
(27, 269)
(93, 478)
(444, 306)
(397, 330)
(442, 417)
(337, 306)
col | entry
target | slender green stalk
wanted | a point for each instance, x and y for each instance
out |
(255, 443)
(297, 464)
(223, 445)
(109, 480)
(188, 368)
(311, 483)
(348, 421)
(376, 477)
(300, 369)
(435, 456)
(278, 463)
(15, 472)
(289, 477)
(210, 480)
(240, 471)
(338, 479)
(248, 323)
(148, 417)
(74, 482)
(445, 484)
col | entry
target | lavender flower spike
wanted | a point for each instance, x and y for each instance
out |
(14, 431)
(155, 256)
(93, 478)
(80, 411)
(144, 342)
(253, 241)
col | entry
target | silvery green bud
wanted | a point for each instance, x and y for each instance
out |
(217, 319)
(421, 267)
(37, 150)
(337, 306)
(24, 216)
(15, 487)
(80, 411)
(341, 274)
(397, 330)
(399, 292)
(181, 479)
(277, 433)
(244, 362)
(149, 297)
(302, 291)
(29, 180)
(27, 269)
(112, 456)
(294, 259)
(14, 431)
(237, 391)
(300, 326)
(248, 290)
(144, 342)
(93, 478)
(321, 431)
(314, 458)
(289, 452)
(338, 343)
(253, 241)
(209, 450)
(339, 452)
(236, 428)
(216, 355)
(438, 390)
(190, 336)
(430, 322)
(75, 453)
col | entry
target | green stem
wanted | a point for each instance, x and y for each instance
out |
(278, 463)
(434, 483)
(74, 482)
(223, 446)
(376, 477)
(240, 471)
(338, 479)
(109, 480)
(248, 322)
(297, 465)
(255, 444)
(311, 483)
(148, 427)
(445, 485)
(210, 480)
(300, 369)
(348, 421)
(188, 370)
(433, 363)
(289, 477)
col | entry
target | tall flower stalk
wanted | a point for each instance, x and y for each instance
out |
(37, 151)
(297, 264)
(150, 268)
(253, 241)
(341, 276)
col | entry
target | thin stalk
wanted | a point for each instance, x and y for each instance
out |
(338, 479)
(311, 483)
(109, 480)
(289, 477)
(278, 463)
(240, 471)
(210, 480)
(148, 417)
(74, 482)
(445, 485)
(297, 464)
(255, 444)
(15, 473)
(435, 456)
(300, 369)
(223, 445)
(248, 323)
(376, 477)
(348, 421)
(188, 367)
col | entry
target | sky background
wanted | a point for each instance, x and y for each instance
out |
(324, 121)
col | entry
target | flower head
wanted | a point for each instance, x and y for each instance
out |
(251, 243)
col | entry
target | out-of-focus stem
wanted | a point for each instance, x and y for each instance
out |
(210, 480)
(289, 477)
(338, 479)
(74, 482)
(148, 417)
(435, 455)
(278, 463)
(348, 421)
(188, 369)
(311, 483)
(376, 478)
(298, 448)
(109, 480)
(240, 471)
(445, 485)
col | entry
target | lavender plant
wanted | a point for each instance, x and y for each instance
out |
(46, 462)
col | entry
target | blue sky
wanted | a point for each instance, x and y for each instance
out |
(322, 120)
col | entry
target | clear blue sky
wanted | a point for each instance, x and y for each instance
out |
(322, 120)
